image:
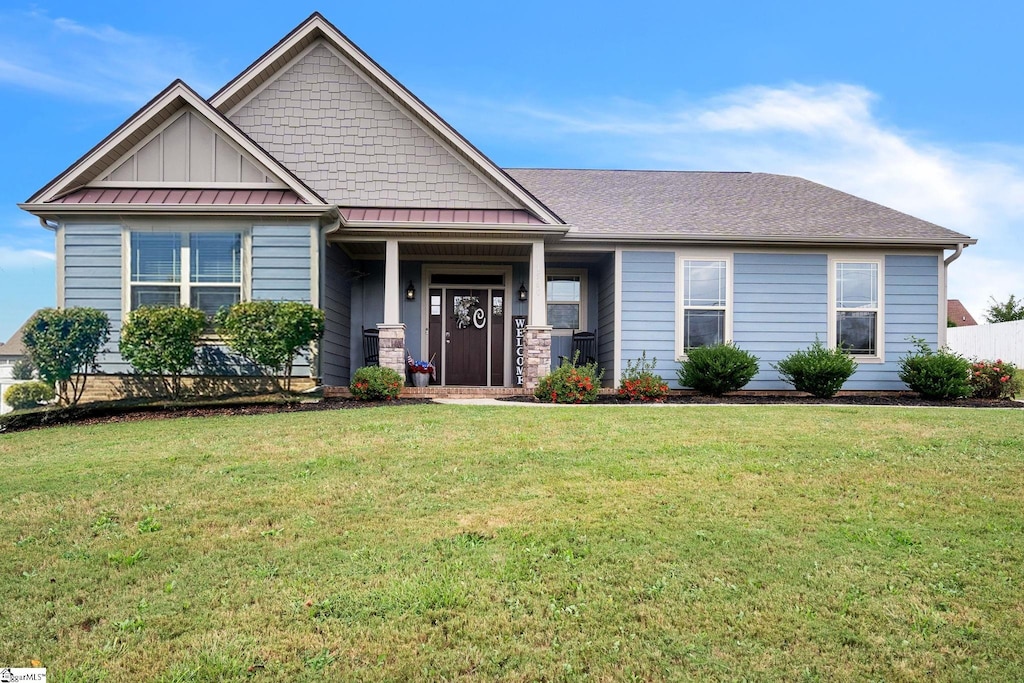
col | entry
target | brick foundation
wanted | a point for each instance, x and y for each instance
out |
(392, 347)
(537, 344)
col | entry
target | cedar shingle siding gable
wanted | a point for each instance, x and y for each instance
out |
(348, 142)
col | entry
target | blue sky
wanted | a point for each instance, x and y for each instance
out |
(915, 105)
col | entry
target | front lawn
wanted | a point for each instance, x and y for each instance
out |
(443, 542)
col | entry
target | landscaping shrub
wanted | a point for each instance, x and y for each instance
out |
(639, 383)
(717, 369)
(994, 380)
(28, 395)
(271, 333)
(162, 340)
(23, 369)
(938, 374)
(570, 383)
(376, 383)
(64, 344)
(818, 370)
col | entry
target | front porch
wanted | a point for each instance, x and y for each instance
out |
(492, 313)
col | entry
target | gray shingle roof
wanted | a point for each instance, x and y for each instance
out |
(712, 205)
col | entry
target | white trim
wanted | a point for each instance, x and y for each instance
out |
(617, 324)
(537, 314)
(392, 288)
(684, 255)
(581, 273)
(835, 258)
(316, 264)
(59, 246)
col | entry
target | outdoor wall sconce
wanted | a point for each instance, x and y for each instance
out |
(522, 292)
(410, 292)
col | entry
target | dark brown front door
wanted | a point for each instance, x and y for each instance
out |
(467, 319)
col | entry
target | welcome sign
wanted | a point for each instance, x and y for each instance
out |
(519, 346)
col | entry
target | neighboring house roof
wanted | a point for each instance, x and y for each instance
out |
(713, 206)
(15, 347)
(956, 312)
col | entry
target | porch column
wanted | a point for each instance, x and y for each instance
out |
(392, 330)
(537, 340)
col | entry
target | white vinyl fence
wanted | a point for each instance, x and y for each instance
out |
(4, 383)
(998, 341)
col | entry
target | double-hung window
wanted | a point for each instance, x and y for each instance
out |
(857, 308)
(565, 301)
(705, 301)
(198, 269)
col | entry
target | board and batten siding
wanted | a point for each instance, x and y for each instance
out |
(649, 310)
(336, 346)
(92, 278)
(780, 304)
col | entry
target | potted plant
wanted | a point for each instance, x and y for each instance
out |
(421, 371)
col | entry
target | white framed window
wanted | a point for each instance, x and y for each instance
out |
(704, 296)
(201, 269)
(856, 296)
(566, 301)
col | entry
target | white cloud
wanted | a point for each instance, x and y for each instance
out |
(25, 259)
(829, 134)
(95, 63)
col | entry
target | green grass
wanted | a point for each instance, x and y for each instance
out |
(448, 542)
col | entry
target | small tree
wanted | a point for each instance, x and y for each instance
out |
(1007, 311)
(162, 340)
(23, 369)
(64, 344)
(271, 333)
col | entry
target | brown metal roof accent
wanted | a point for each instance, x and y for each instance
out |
(474, 216)
(181, 196)
(958, 313)
(714, 205)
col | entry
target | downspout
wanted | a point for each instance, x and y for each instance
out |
(46, 224)
(945, 284)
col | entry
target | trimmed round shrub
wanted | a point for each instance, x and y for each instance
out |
(162, 340)
(570, 383)
(28, 395)
(640, 383)
(997, 379)
(940, 375)
(376, 383)
(818, 370)
(717, 369)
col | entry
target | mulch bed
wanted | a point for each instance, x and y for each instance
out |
(101, 413)
(887, 399)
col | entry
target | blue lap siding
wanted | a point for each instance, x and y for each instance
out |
(649, 309)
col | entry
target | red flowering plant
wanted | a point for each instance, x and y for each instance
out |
(570, 383)
(640, 383)
(996, 379)
(376, 383)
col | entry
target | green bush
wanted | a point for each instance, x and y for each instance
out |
(376, 383)
(271, 333)
(28, 395)
(64, 345)
(995, 379)
(570, 383)
(162, 340)
(938, 374)
(23, 369)
(818, 370)
(717, 369)
(639, 383)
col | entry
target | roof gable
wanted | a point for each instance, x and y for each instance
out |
(138, 153)
(356, 135)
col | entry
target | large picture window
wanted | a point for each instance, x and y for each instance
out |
(705, 302)
(199, 269)
(857, 310)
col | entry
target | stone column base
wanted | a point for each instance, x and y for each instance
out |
(392, 347)
(537, 343)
